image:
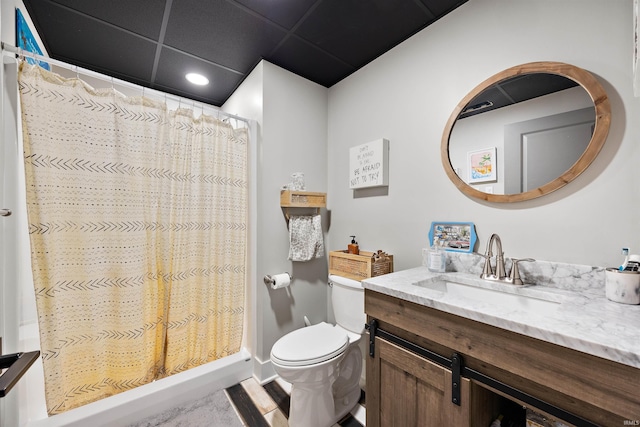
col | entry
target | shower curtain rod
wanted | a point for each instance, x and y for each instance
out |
(12, 51)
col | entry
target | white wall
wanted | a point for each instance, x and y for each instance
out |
(247, 102)
(292, 116)
(408, 94)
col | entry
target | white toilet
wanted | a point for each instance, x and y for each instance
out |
(323, 362)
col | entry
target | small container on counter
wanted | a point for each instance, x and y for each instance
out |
(437, 259)
(622, 286)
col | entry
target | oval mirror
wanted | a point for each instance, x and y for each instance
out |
(525, 132)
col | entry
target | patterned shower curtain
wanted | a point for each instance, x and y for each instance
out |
(138, 230)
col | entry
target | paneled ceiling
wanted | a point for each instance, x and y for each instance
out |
(516, 89)
(154, 43)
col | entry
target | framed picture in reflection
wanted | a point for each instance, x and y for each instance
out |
(482, 165)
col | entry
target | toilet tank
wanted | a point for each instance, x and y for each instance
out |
(347, 298)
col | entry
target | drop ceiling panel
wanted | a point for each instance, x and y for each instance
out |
(358, 31)
(282, 12)
(123, 13)
(439, 8)
(529, 86)
(221, 32)
(314, 64)
(93, 44)
(516, 89)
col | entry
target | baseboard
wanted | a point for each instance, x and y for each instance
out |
(263, 371)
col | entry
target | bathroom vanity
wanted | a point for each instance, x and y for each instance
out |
(456, 349)
(452, 349)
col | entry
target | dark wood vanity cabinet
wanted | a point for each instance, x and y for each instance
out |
(406, 389)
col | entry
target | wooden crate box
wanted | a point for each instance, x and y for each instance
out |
(359, 267)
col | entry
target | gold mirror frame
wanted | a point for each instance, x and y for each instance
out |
(601, 129)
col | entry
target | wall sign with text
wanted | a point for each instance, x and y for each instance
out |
(369, 164)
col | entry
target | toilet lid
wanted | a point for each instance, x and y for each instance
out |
(310, 345)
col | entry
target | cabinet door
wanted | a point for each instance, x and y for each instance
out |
(404, 390)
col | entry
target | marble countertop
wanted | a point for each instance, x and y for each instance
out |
(583, 321)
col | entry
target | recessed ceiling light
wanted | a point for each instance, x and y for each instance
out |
(197, 79)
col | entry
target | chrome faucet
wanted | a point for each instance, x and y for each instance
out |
(487, 271)
(500, 275)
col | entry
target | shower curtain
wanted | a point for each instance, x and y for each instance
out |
(138, 231)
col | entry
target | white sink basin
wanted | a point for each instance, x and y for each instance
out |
(506, 296)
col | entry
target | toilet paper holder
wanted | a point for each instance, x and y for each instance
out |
(269, 280)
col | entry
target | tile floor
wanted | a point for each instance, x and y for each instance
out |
(268, 405)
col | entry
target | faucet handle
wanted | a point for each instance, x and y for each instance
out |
(487, 269)
(514, 276)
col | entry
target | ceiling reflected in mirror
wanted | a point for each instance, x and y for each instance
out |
(516, 89)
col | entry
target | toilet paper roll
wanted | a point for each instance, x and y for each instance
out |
(281, 280)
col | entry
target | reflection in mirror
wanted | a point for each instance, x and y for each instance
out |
(545, 122)
(536, 140)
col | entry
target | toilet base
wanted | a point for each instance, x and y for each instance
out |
(323, 403)
(311, 405)
(317, 407)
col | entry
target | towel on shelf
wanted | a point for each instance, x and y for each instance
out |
(305, 237)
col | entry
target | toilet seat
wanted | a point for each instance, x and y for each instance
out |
(310, 345)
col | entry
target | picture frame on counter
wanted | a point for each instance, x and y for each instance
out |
(453, 236)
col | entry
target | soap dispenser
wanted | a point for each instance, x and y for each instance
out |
(437, 259)
(353, 246)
